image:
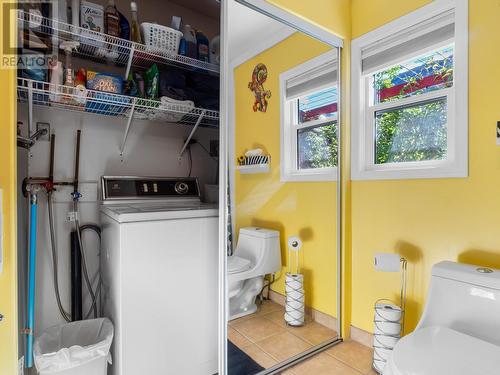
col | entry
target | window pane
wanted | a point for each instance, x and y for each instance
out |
(429, 72)
(411, 133)
(319, 105)
(317, 146)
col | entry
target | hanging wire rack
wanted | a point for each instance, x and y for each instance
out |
(107, 49)
(104, 103)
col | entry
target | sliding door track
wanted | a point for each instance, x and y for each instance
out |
(295, 360)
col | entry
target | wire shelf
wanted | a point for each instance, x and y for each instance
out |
(108, 104)
(107, 49)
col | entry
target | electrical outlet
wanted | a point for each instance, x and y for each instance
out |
(214, 147)
(71, 216)
(41, 126)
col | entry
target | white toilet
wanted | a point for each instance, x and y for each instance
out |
(459, 332)
(257, 254)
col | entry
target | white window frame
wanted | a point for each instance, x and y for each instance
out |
(363, 166)
(290, 126)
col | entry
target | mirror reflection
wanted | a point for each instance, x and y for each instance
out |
(282, 279)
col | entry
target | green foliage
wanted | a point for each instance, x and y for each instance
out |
(417, 132)
(318, 146)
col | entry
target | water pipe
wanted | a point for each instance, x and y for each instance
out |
(33, 190)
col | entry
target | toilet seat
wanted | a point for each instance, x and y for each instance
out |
(441, 350)
(236, 264)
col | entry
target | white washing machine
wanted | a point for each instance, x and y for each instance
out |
(159, 269)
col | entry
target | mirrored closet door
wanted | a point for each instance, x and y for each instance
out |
(283, 154)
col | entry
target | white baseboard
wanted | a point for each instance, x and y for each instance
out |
(362, 336)
(317, 316)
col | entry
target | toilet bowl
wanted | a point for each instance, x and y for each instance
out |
(459, 331)
(257, 254)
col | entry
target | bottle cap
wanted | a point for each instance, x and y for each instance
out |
(133, 6)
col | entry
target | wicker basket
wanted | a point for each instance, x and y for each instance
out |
(158, 38)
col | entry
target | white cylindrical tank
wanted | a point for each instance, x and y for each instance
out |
(260, 246)
(465, 298)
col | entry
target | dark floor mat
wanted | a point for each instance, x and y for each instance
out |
(239, 363)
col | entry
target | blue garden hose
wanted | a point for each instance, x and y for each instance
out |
(31, 280)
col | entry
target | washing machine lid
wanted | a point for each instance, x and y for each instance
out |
(441, 350)
(236, 264)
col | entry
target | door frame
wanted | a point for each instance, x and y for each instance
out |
(8, 190)
(317, 32)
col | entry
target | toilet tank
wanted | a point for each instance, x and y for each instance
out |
(260, 246)
(465, 298)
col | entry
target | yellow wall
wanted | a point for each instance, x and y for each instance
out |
(432, 220)
(8, 278)
(305, 209)
(335, 16)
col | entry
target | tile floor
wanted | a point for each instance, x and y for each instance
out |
(266, 338)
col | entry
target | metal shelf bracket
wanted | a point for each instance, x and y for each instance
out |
(31, 130)
(198, 122)
(129, 62)
(127, 129)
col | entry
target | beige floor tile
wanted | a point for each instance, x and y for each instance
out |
(239, 320)
(257, 328)
(313, 332)
(354, 354)
(276, 317)
(323, 364)
(372, 372)
(283, 345)
(237, 338)
(259, 356)
(267, 307)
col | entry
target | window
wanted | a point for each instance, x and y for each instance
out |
(309, 118)
(409, 99)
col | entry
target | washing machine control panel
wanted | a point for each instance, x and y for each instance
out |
(148, 187)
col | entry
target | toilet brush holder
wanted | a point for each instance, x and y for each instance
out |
(294, 287)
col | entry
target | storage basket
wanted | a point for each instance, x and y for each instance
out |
(158, 38)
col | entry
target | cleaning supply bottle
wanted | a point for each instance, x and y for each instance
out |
(112, 19)
(56, 80)
(203, 47)
(215, 50)
(190, 38)
(75, 13)
(135, 33)
(124, 27)
(69, 74)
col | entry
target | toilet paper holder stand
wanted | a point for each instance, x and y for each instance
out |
(386, 335)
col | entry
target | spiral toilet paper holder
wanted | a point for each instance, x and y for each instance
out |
(389, 321)
(294, 286)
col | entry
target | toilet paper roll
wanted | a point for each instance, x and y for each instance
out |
(387, 328)
(387, 312)
(387, 262)
(384, 341)
(293, 282)
(294, 300)
(381, 354)
(378, 365)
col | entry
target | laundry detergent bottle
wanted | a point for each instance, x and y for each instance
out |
(203, 46)
(190, 40)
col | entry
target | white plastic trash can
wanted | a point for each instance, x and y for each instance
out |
(77, 348)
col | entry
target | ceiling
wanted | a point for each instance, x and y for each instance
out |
(251, 31)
